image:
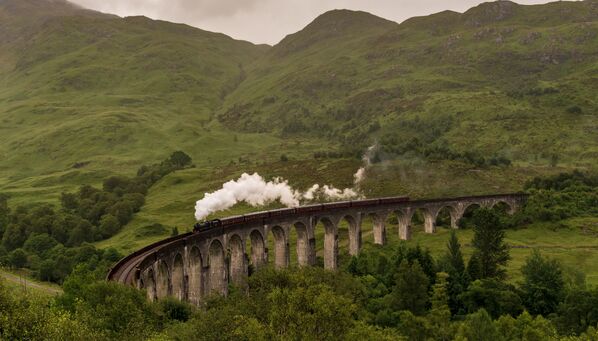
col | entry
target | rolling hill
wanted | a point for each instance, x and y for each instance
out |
(501, 79)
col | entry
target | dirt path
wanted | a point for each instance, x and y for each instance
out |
(24, 283)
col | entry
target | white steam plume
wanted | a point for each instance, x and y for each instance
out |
(359, 176)
(256, 191)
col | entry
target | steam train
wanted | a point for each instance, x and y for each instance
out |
(285, 212)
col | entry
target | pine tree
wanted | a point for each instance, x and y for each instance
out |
(488, 240)
(411, 290)
(440, 313)
(458, 278)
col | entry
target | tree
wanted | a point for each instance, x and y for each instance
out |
(17, 258)
(174, 232)
(14, 236)
(309, 313)
(411, 290)
(458, 278)
(478, 327)
(578, 311)
(180, 159)
(496, 297)
(488, 241)
(39, 244)
(440, 313)
(4, 213)
(109, 225)
(543, 285)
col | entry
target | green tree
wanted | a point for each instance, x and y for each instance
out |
(488, 241)
(109, 225)
(174, 232)
(578, 311)
(17, 258)
(478, 327)
(180, 159)
(14, 236)
(309, 313)
(543, 284)
(411, 289)
(458, 278)
(496, 297)
(4, 213)
(39, 244)
(440, 313)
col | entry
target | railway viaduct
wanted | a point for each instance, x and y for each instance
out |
(194, 265)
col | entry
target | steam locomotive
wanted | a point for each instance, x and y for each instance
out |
(206, 225)
(260, 217)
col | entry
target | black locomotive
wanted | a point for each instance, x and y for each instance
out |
(206, 225)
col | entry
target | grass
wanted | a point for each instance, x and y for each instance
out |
(21, 281)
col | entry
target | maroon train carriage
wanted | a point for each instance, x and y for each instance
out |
(310, 208)
(393, 200)
(365, 203)
(256, 217)
(282, 212)
(239, 219)
(337, 205)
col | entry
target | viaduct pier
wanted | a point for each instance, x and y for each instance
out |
(193, 265)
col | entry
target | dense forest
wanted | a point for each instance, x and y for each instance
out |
(51, 241)
(385, 293)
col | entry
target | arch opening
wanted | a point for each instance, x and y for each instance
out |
(178, 278)
(469, 210)
(195, 281)
(326, 241)
(257, 251)
(162, 280)
(281, 250)
(238, 268)
(150, 285)
(303, 247)
(444, 217)
(218, 280)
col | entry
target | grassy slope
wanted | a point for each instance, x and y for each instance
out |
(113, 92)
(484, 68)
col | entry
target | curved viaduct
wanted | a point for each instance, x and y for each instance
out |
(193, 265)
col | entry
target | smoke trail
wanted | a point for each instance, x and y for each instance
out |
(359, 176)
(256, 191)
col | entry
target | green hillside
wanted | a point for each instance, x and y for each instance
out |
(105, 93)
(500, 79)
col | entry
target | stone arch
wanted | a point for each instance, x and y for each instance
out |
(378, 220)
(195, 281)
(445, 216)
(178, 277)
(510, 208)
(404, 217)
(258, 249)
(162, 280)
(330, 243)
(281, 247)
(468, 210)
(218, 280)
(150, 285)
(305, 250)
(238, 267)
(354, 234)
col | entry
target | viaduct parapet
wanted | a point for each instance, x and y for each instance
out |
(193, 265)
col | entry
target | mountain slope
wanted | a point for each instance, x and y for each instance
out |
(501, 79)
(80, 86)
